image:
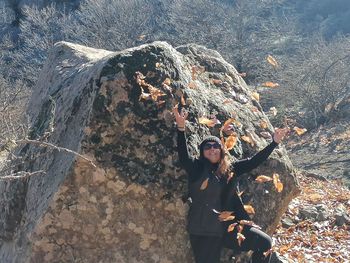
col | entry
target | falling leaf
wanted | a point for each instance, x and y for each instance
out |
(263, 124)
(263, 179)
(249, 209)
(226, 216)
(231, 142)
(299, 131)
(231, 227)
(145, 96)
(266, 135)
(240, 238)
(272, 60)
(209, 122)
(270, 84)
(158, 65)
(167, 81)
(204, 184)
(256, 96)
(192, 85)
(227, 123)
(247, 139)
(276, 181)
(273, 111)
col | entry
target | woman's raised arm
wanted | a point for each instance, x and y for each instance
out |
(246, 165)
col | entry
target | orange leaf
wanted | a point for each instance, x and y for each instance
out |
(270, 84)
(263, 179)
(299, 131)
(231, 142)
(231, 227)
(277, 182)
(256, 96)
(249, 209)
(272, 60)
(226, 216)
(240, 238)
(204, 184)
(263, 124)
(248, 139)
(208, 122)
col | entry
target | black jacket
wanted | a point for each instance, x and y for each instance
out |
(219, 194)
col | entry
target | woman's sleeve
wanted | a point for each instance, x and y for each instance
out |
(246, 165)
(186, 162)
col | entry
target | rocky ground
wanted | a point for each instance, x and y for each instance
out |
(316, 226)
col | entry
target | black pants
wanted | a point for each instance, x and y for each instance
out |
(207, 249)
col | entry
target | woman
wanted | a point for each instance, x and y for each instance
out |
(210, 190)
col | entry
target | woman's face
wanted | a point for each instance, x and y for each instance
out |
(212, 151)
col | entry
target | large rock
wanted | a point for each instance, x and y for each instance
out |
(128, 208)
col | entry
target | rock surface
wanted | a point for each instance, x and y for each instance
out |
(128, 208)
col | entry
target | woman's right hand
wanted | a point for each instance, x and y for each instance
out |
(180, 117)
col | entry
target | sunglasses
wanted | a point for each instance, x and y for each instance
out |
(208, 146)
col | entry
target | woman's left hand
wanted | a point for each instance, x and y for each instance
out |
(279, 134)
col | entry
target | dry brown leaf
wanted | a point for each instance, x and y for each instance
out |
(263, 179)
(270, 84)
(256, 96)
(204, 184)
(226, 216)
(249, 223)
(248, 139)
(231, 227)
(209, 122)
(158, 65)
(276, 181)
(240, 238)
(231, 142)
(299, 131)
(272, 60)
(249, 209)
